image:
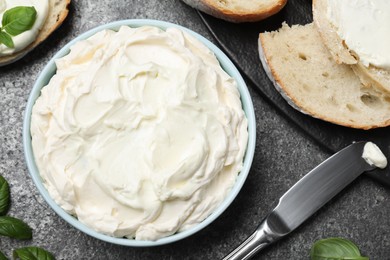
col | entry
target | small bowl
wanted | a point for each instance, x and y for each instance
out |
(50, 70)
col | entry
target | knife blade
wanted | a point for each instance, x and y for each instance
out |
(304, 198)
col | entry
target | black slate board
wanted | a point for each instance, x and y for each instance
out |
(239, 41)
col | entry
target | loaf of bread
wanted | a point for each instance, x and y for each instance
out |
(305, 73)
(58, 10)
(370, 76)
(238, 10)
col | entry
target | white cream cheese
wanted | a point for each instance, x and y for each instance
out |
(3, 6)
(22, 40)
(140, 133)
(364, 25)
(374, 156)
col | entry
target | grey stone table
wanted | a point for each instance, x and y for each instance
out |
(283, 155)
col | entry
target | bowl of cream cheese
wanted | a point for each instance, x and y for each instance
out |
(139, 132)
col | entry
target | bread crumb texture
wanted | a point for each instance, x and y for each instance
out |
(307, 74)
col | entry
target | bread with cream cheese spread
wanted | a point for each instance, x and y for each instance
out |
(304, 72)
(370, 76)
(238, 10)
(58, 11)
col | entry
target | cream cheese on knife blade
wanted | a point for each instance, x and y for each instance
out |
(140, 133)
(374, 156)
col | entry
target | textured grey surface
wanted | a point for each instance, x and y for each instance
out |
(283, 155)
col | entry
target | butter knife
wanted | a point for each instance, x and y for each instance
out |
(304, 198)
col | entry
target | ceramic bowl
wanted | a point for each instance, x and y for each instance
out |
(50, 70)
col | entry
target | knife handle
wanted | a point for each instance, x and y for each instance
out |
(262, 237)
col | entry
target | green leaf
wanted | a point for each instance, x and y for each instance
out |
(4, 195)
(19, 19)
(32, 253)
(335, 249)
(15, 228)
(2, 256)
(6, 39)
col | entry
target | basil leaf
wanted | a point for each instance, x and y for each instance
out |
(335, 249)
(32, 253)
(6, 40)
(2, 256)
(4, 195)
(19, 19)
(15, 228)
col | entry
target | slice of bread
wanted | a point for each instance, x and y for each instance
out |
(58, 10)
(304, 72)
(238, 10)
(369, 76)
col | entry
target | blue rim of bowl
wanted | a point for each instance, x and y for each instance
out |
(50, 70)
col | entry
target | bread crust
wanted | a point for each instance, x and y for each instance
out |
(370, 76)
(58, 11)
(217, 9)
(292, 99)
(329, 34)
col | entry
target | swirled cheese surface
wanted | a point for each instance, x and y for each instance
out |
(140, 133)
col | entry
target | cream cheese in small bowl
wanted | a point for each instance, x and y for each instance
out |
(139, 132)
